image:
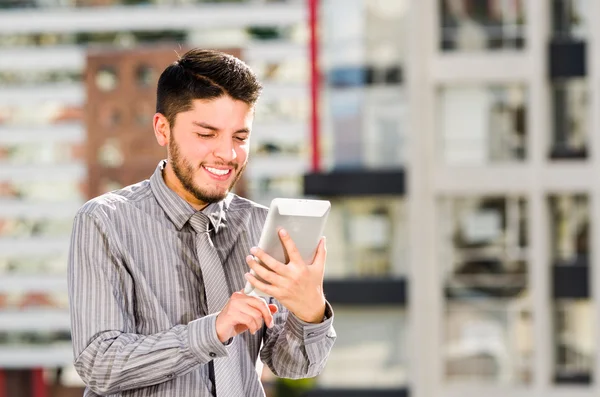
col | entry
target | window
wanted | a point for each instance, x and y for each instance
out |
(571, 119)
(574, 341)
(478, 25)
(21, 227)
(365, 101)
(42, 191)
(482, 124)
(483, 255)
(370, 350)
(34, 264)
(41, 153)
(368, 238)
(41, 113)
(570, 18)
(570, 216)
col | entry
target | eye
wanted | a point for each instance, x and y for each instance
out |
(241, 138)
(205, 135)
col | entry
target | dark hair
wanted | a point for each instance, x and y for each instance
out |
(204, 74)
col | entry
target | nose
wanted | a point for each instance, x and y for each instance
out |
(225, 149)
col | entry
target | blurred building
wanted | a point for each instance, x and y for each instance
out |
(76, 105)
(502, 197)
(453, 139)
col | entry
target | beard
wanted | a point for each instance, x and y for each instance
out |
(184, 171)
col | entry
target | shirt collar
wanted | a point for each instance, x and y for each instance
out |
(179, 210)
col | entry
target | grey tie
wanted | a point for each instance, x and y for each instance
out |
(228, 374)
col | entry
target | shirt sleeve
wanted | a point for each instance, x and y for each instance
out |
(109, 355)
(296, 349)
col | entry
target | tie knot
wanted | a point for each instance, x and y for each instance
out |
(200, 222)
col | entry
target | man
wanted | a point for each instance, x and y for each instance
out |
(156, 269)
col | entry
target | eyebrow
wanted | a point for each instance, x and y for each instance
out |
(212, 128)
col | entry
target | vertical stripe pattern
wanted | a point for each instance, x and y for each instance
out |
(228, 374)
(141, 324)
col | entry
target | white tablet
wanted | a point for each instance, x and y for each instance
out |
(303, 219)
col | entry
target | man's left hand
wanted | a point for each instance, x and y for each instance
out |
(296, 285)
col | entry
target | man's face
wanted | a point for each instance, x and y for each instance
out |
(208, 148)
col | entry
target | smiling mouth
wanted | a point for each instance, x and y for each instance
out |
(217, 171)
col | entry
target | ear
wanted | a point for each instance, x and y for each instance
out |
(162, 130)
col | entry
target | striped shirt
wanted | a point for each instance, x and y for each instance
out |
(139, 319)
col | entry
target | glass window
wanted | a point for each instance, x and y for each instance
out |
(487, 341)
(483, 257)
(106, 79)
(129, 39)
(570, 220)
(278, 147)
(364, 101)
(41, 191)
(368, 126)
(110, 154)
(20, 227)
(368, 237)
(282, 109)
(570, 248)
(484, 246)
(478, 25)
(23, 77)
(35, 265)
(49, 112)
(146, 76)
(571, 119)
(42, 153)
(370, 353)
(35, 340)
(480, 125)
(107, 3)
(294, 70)
(116, 39)
(35, 300)
(264, 189)
(574, 341)
(570, 18)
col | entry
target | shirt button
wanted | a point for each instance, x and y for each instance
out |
(212, 354)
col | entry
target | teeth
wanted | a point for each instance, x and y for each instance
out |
(217, 171)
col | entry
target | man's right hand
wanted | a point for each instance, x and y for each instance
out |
(243, 313)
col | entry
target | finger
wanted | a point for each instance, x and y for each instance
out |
(256, 308)
(252, 305)
(290, 247)
(266, 288)
(267, 260)
(249, 320)
(263, 309)
(263, 272)
(321, 254)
